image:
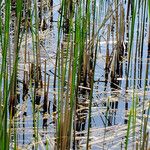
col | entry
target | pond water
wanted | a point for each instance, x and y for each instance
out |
(112, 99)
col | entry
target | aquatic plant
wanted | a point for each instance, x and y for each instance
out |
(74, 74)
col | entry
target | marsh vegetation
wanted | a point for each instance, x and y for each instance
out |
(75, 74)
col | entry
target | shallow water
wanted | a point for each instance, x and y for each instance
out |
(107, 130)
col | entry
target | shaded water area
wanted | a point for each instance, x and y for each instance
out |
(83, 74)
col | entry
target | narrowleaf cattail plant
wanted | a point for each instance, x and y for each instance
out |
(75, 74)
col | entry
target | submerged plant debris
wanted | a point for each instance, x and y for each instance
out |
(74, 74)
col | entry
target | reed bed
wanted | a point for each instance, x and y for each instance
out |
(74, 74)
